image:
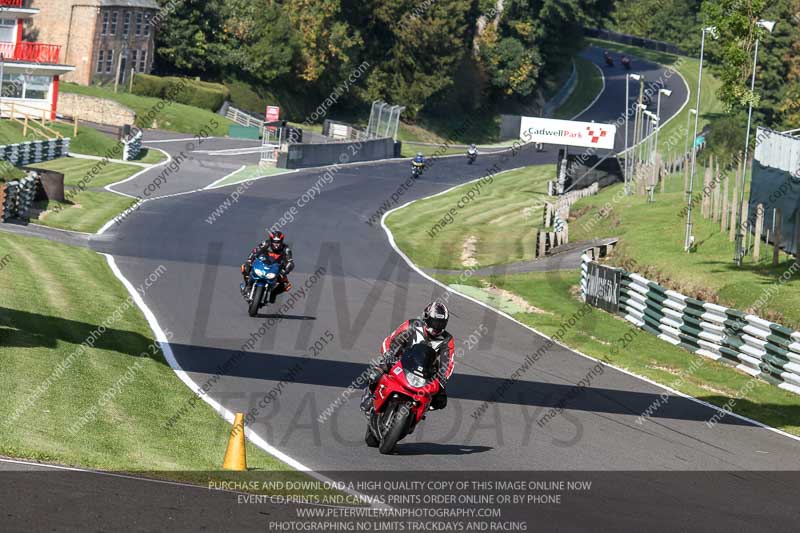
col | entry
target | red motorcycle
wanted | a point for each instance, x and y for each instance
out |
(402, 397)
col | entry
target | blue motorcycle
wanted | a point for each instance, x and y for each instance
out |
(264, 275)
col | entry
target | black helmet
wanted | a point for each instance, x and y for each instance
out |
(435, 317)
(276, 240)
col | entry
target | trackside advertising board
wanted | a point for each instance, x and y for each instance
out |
(603, 287)
(567, 132)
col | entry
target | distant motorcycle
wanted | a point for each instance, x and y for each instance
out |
(416, 168)
(609, 60)
(402, 397)
(626, 62)
(472, 155)
(264, 275)
(539, 147)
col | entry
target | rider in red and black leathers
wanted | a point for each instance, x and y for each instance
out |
(276, 249)
(430, 329)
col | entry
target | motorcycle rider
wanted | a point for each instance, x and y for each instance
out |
(472, 151)
(430, 329)
(274, 247)
(419, 159)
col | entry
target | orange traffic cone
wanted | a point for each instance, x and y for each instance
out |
(235, 455)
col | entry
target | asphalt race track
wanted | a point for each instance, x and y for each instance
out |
(366, 290)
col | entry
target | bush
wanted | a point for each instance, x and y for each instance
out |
(245, 97)
(204, 95)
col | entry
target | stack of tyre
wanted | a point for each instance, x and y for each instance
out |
(27, 192)
(10, 194)
(132, 147)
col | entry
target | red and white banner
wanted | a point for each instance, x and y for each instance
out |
(273, 113)
(567, 132)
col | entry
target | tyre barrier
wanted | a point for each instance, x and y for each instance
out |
(132, 146)
(753, 345)
(17, 197)
(30, 152)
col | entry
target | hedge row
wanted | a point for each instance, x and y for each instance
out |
(195, 93)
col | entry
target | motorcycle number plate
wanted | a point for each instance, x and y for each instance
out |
(398, 370)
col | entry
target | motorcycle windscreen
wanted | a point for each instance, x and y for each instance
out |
(421, 360)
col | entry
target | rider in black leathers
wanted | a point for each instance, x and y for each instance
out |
(275, 248)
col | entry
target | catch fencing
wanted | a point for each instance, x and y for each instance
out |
(30, 152)
(756, 346)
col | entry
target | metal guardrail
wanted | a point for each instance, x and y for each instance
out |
(633, 40)
(563, 93)
(243, 118)
(756, 346)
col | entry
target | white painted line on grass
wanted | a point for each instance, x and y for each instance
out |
(120, 161)
(227, 415)
(211, 185)
(422, 273)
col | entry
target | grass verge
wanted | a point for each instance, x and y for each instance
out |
(248, 173)
(45, 315)
(588, 86)
(504, 226)
(647, 234)
(172, 116)
(86, 210)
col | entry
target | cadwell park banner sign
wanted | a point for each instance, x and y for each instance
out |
(603, 286)
(567, 133)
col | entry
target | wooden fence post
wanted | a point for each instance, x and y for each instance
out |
(797, 236)
(724, 224)
(744, 223)
(759, 231)
(734, 213)
(776, 237)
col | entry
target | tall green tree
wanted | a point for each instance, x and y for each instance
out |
(671, 21)
(189, 39)
(414, 48)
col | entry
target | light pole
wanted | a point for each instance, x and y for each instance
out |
(636, 120)
(630, 77)
(667, 93)
(687, 245)
(739, 254)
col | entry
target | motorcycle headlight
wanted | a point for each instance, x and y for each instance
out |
(415, 380)
(271, 275)
(259, 272)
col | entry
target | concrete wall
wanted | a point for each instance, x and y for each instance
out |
(93, 109)
(316, 155)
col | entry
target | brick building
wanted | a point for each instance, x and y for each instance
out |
(102, 38)
(31, 70)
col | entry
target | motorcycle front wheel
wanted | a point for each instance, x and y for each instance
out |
(258, 295)
(370, 438)
(395, 428)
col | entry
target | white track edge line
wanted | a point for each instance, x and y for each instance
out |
(422, 273)
(227, 415)
(599, 94)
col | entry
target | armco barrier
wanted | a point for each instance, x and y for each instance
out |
(756, 346)
(317, 155)
(34, 151)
